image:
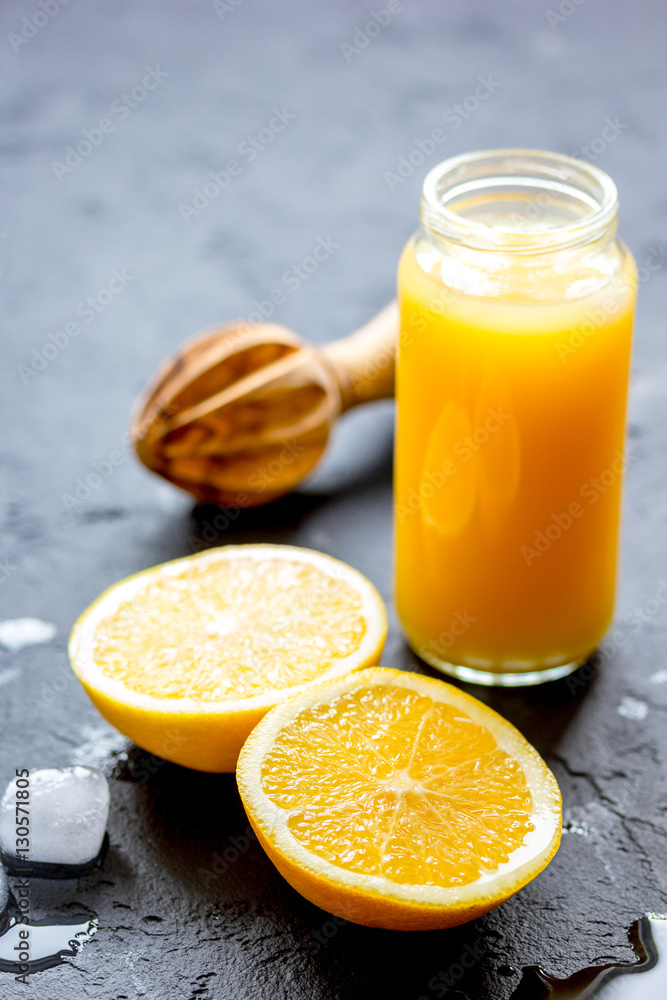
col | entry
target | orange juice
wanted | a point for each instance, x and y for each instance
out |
(511, 392)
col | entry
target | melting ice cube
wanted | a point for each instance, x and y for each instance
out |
(68, 810)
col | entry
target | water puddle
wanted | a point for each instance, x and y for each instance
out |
(645, 979)
(49, 943)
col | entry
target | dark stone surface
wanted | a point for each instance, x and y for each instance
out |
(169, 931)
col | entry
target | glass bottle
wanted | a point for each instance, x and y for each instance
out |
(517, 303)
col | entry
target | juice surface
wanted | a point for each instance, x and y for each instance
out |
(509, 457)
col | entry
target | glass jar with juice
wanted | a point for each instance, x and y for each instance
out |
(516, 302)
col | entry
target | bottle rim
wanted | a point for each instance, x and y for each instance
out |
(548, 175)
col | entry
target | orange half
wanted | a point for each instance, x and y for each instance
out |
(186, 657)
(398, 801)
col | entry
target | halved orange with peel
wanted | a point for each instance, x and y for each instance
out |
(398, 801)
(185, 658)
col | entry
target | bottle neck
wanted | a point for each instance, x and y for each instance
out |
(518, 203)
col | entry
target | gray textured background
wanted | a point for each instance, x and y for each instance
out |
(166, 929)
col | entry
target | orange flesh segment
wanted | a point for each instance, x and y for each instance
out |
(230, 629)
(388, 782)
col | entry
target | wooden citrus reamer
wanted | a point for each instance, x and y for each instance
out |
(241, 413)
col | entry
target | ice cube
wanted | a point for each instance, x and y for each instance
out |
(67, 814)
